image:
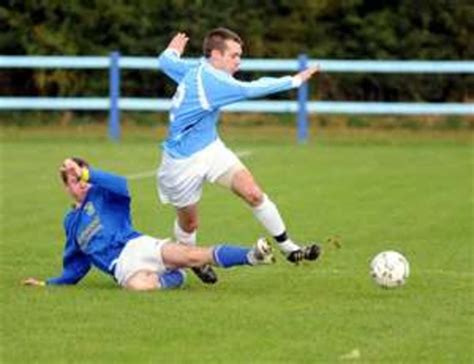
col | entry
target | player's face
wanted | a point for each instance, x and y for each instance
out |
(229, 60)
(77, 189)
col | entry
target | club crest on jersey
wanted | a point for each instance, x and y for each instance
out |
(89, 208)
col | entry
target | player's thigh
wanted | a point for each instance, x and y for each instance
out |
(225, 180)
(223, 165)
(177, 255)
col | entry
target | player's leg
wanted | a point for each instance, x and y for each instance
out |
(185, 232)
(180, 184)
(186, 224)
(228, 171)
(176, 256)
(148, 264)
(244, 185)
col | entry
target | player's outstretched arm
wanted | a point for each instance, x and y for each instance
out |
(178, 43)
(223, 90)
(33, 282)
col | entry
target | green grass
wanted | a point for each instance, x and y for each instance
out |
(412, 194)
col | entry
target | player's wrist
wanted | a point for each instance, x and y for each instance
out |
(296, 81)
(174, 51)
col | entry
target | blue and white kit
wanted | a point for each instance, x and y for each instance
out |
(98, 230)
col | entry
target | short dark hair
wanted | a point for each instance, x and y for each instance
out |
(80, 162)
(216, 38)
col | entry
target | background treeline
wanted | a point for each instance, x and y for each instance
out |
(337, 29)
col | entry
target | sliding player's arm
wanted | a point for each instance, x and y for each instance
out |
(106, 180)
(75, 266)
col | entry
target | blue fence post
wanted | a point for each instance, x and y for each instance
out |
(114, 94)
(302, 122)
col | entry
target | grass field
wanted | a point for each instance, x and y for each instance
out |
(409, 193)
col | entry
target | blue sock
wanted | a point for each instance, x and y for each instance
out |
(229, 255)
(172, 279)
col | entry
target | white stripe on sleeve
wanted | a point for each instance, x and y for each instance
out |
(201, 93)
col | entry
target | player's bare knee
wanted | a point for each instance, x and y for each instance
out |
(254, 196)
(142, 281)
(195, 258)
(193, 226)
(190, 225)
(138, 287)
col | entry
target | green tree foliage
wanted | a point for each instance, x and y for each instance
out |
(337, 29)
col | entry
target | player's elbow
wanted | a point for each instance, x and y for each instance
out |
(251, 93)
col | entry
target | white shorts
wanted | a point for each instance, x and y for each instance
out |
(142, 253)
(180, 181)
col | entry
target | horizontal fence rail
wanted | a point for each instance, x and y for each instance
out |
(324, 107)
(114, 103)
(271, 65)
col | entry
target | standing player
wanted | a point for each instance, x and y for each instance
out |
(99, 233)
(193, 152)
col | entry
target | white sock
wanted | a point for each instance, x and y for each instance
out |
(268, 215)
(288, 246)
(183, 236)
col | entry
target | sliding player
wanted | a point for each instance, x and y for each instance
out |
(99, 232)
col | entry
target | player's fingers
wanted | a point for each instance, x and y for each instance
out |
(316, 69)
(183, 39)
(309, 72)
(65, 163)
(313, 70)
(181, 36)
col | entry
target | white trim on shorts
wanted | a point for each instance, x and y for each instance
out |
(142, 253)
(180, 180)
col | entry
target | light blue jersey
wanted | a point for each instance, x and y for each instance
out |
(97, 230)
(202, 91)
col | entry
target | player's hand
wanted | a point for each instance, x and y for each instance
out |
(308, 73)
(178, 43)
(33, 282)
(71, 168)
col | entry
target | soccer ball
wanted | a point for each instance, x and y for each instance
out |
(389, 269)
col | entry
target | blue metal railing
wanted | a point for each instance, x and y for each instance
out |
(302, 120)
(114, 91)
(114, 103)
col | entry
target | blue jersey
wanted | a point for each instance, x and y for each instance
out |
(202, 91)
(97, 230)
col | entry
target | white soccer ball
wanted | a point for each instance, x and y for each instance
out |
(389, 269)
